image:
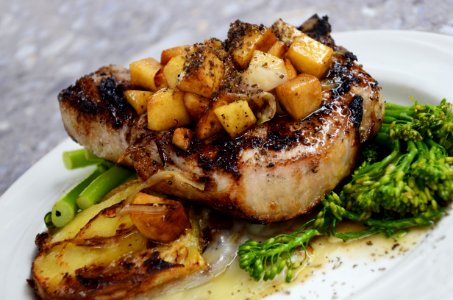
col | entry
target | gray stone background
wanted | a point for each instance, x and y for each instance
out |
(46, 45)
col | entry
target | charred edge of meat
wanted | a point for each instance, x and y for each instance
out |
(356, 108)
(341, 73)
(105, 99)
(318, 29)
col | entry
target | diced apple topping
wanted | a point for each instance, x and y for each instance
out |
(285, 32)
(182, 138)
(245, 38)
(172, 70)
(138, 99)
(265, 71)
(278, 49)
(203, 72)
(195, 105)
(216, 87)
(310, 56)
(169, 53)
(209, 125)
(235, 117)
(166, 110)
(290, 70)
(143, 72)
(300, 96)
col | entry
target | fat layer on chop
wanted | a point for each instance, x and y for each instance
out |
(275, 171)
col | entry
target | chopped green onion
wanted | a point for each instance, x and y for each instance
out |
(103, 184)
(65, 208)
(48, 220)
(78, 159)
(91, 156)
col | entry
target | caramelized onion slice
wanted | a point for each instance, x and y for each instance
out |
(265, 106)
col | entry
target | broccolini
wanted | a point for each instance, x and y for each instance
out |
(410, 185)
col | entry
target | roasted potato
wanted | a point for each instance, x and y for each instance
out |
(110, 259)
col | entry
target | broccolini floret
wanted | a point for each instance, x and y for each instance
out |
(409, 187)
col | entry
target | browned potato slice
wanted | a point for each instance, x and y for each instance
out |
(196, 105)
(169, 53)
(143, 72)
(172, 70)
(278, 49)
(138, 99)
(203, 72)
(182, 138)
(166, 110)
(235, 117)
(310, 56)
(300, 96)
(157, 218)
(253, 38)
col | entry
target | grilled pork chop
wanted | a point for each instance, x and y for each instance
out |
(275, 171)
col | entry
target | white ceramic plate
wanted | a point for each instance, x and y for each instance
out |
(405, 64)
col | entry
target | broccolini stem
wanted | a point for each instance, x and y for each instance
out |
(388, 226)
(65, 208)
(97, 189)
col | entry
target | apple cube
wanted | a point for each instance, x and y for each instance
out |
(235, 117)
(300, 96)
(310, 56)
(143, 72)
(138, 99)
(166, 110)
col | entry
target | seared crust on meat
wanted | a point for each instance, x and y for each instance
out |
(95, 112)
(275, 171)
